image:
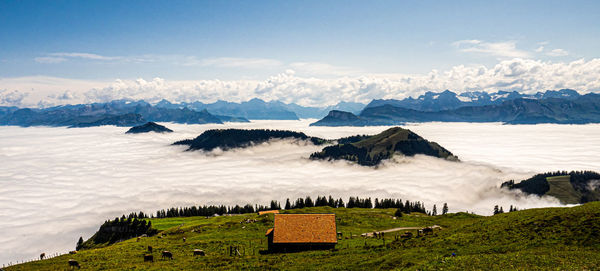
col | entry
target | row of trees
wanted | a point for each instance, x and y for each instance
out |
(500, 210)
(209, 210)
(353, 202)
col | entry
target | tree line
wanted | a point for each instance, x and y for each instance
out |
(353, 202)
(500, 210)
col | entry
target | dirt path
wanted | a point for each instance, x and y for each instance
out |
(370, 234)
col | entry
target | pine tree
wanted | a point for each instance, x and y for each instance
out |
(445, 208)
(398, 213)
(288, 205)
(434, 212)
(496, 210)
(79, 243)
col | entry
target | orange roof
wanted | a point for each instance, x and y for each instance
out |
(304, 228)
(268, 212)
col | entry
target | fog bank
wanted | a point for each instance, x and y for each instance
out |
(57, 184)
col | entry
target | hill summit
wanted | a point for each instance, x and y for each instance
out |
(149, 127)
(370, 151)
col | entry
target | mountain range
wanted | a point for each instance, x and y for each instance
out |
(448, 100)
(258, 109)
(119, 113)
(563, 107)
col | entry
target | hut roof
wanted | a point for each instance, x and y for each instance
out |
(269, 231)
(305, 228)
(268, 212)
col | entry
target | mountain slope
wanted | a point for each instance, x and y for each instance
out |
(372, 150)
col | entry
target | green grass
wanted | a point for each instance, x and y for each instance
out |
(535, 239)
(562, 189)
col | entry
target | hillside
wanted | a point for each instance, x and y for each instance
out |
(238, 138)
(372, 150)
(569, 187)
(535, 239)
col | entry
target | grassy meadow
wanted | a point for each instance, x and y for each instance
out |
(535, 239)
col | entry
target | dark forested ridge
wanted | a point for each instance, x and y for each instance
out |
(587, 183)
(370, 151)
(237, 138)
(149, 127)
(119, 229)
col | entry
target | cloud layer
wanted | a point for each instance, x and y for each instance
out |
(58, 184)
(524, 75)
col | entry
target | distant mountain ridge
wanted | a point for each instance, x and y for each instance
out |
(447, 100)
(257, 109)
(119, 113)
(580, 110)
(561, 106)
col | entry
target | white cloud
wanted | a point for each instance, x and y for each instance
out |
(539, 49)
(506, 49)
(221, 62)
(84, 56)
(50, 59)
(526, 75)
(557, 52)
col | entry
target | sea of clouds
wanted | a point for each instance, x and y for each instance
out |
(524, 75)
(57, 184)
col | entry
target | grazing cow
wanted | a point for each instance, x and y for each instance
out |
(42, 256)
(148, 258)
(184, 239)
(73, 264)
(167, 254)
(406, 234)
(150, 249)
(427, 230)
(199, 252)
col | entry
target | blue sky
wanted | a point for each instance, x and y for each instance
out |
(373, 36)
(253, 40)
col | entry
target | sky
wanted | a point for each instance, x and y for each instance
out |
(56, 52)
